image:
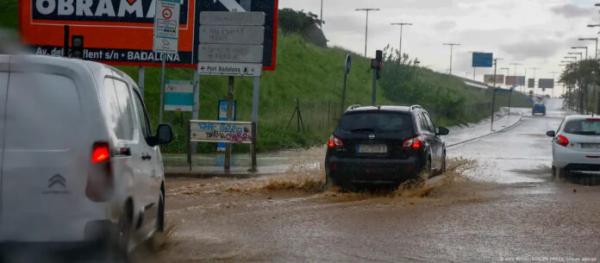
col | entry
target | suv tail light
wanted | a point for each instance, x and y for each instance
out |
(99, 186)
(562, 140)
(334, 142)
(414, 143)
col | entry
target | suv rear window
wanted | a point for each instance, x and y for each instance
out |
(376, 121)
(583, 127)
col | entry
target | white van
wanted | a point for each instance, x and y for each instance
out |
(78, 161)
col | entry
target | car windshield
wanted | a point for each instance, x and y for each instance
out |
(583, 127)
(376, 122)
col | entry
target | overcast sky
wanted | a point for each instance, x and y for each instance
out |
(534, 33)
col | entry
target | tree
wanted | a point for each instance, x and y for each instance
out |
(582, 81)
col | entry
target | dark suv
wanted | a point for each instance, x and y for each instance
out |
(384, 145)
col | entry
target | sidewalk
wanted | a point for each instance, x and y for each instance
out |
(211, 165)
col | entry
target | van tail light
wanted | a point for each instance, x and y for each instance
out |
(100, 153)
(414, 144)
(99, 187)
(562, 140)
(334, 142)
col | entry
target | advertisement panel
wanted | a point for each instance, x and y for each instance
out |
(236, 132)
(179, 95)
(118, 32)
(531, 83)
(546, 83)
(489, 79)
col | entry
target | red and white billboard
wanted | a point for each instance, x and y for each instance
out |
(120, 32)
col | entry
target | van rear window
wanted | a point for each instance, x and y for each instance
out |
(43, 112)
(120, 111)
(376, 121)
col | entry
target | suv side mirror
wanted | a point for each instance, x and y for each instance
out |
(164, 135)
(442, 131)
(551, 134)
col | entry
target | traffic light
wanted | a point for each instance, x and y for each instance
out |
(77, 47)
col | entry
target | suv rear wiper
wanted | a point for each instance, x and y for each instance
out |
(363, 130)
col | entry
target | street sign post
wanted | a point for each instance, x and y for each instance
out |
(179, 96)
(166, 28)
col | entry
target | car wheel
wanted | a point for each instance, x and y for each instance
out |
(160, 218)
(329, 183)
(443, 170)
(426, 171)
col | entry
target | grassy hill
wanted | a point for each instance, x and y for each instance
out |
(313, 75)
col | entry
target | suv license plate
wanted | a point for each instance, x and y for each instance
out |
(372, 148)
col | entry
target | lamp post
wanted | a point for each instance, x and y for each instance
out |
(586, 50)
(595, 39)
(577, 53)
(401, 24)
(367, 10)
(451, 45)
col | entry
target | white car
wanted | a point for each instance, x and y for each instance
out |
(576, 146)
(78, 162)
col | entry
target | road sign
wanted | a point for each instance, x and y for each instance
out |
(166, 28)
(117, 32)
(268, 7)
(230, 53)
(221, 131)
(231, 69)
(483, 60)
(179, 95)
(232, 34)
(217, 18)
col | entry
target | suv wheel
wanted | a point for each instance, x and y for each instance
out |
(426, 171)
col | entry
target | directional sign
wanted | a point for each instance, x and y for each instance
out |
(179, 95)
(230, 53)
(166, 28)
(231, 69)
(483, 60)
(232, 34)
(268, 7)
(531, 83)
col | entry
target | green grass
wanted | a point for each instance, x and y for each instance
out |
(314, 76)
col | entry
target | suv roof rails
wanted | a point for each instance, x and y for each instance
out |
(353, 107)
(413, 107)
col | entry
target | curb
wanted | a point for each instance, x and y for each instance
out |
(489, 134)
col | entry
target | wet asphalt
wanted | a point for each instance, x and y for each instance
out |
(498, 203)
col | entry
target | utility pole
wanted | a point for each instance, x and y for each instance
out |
(586, 50)
(367, 10)
(451, 45)
(595, 39)
(577, 53)
(401, 24)
(494, 92)
(321, 17)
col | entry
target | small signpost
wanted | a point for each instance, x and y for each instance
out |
(166, 39)
(231, 44)
(179, 96)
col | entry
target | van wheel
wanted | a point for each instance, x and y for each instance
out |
(123, 237)
(160, 218)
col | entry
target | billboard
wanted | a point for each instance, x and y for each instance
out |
(515, 80)
(531, 83)
(546, 83)
(483, 60)
(120, 32)
(489, 79)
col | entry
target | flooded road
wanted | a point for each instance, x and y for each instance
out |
(496, 203)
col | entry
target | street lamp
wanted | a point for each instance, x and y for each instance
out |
(401, 24)
(595, 39)
(367, 10)
(577, 53)
(451, 45)
(586, 50)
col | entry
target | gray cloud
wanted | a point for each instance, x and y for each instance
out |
(571, 11)
(444, 26)
(543, 48)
